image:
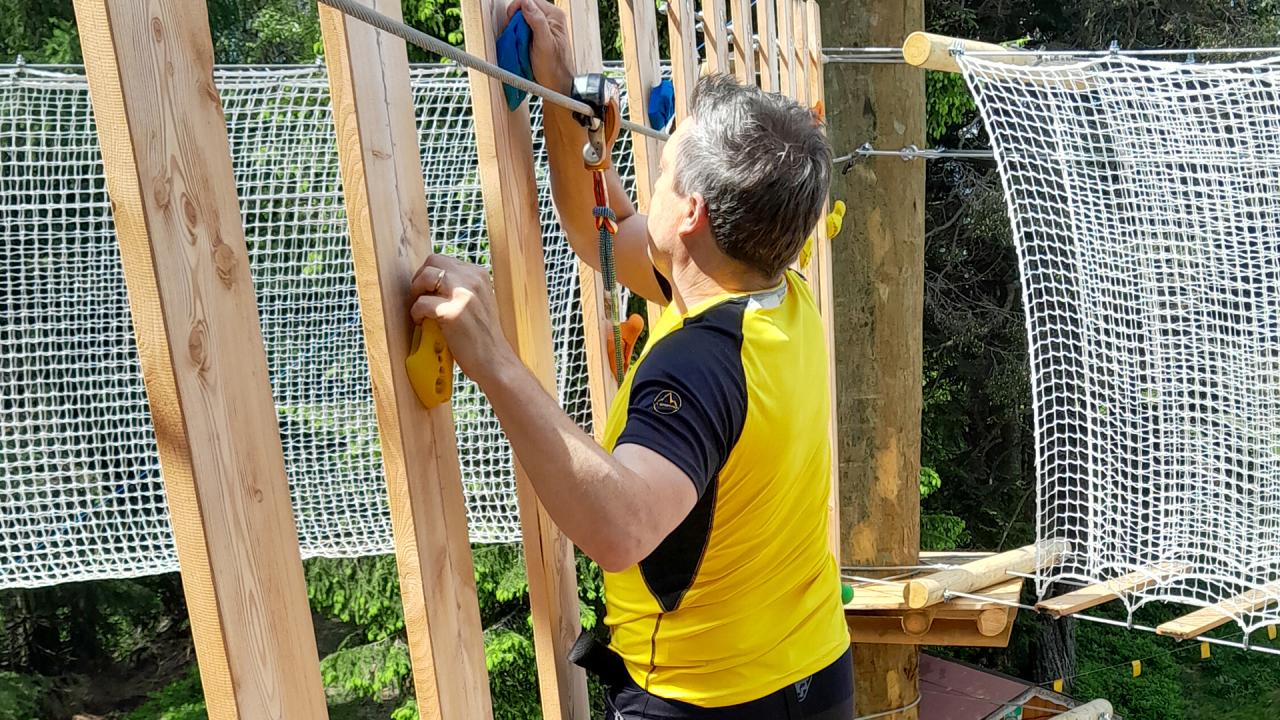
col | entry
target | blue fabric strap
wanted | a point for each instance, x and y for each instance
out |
(662, 104)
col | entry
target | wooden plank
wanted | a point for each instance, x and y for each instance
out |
(640, 58)
(168, 170)
(933, 52)
(1205, 619)
(888, 597)
(931, 589)
(767, 47)
(683, 40)
(715, 36)
(511, 209)
(744, 51)
(1099, 593)
(387, 217)
(786, 53)
(639, 24)
(800, 50)
(583, 20)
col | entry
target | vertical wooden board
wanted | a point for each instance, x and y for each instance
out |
(510, 194)
(800, 50)
(715, 36)
(387, 216)
(821, 275)
(766, 32)
(786, 56)
(638, 23)
(584, 39)
(683, 40)
(744, 51)
(168, 169)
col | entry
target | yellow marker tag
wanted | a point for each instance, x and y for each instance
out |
(430, 365)
(1137, 668)
(1271, 632)
(1057, 685)
(1204, 651)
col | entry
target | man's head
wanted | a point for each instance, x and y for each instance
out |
(748, 171)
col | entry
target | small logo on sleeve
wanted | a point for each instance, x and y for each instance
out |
(667, 403)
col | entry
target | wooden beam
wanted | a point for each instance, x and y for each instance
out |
(744, 52)
(786, 53)
(683, 40)
(387, 217)
(515, 235)
(1205, 619)
(715, 36)
(173, 196)
(1099, 593)
(584, 41)
(767, 50)
(931, 589)
(878, 615)
(934, 52)
(878, 291)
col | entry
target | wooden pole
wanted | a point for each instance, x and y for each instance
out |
(934, 52)
(973, 576)
(387, 216)
(639, 25)
(878, 285)
(786, 54)
(173, 196)
(507, 182)
(1094, 710)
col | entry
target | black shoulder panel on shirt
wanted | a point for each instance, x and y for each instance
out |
(689, 404)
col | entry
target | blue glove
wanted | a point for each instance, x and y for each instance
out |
(662, 104)
(513, 56)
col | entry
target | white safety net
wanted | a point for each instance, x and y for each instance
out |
(1145, 203)
(81, 495)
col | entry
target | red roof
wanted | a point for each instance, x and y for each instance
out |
(954, 691)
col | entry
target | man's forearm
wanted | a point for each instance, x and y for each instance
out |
(571, 181)
(595, 500)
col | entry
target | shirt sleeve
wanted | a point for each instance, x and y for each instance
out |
(689, 399)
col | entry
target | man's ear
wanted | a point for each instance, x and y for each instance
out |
(695, 217)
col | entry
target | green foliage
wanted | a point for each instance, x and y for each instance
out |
(949, 103)
(20, 696)
(181, 700)
(364, 592)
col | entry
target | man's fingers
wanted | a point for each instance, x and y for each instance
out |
(535, 15)
(426, 307)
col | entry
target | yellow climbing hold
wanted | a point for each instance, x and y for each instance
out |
(835, 221)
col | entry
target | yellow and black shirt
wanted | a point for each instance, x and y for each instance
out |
(743, 597)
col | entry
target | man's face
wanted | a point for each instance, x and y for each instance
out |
(669, 211)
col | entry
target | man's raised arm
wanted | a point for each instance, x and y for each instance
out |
(570, 180)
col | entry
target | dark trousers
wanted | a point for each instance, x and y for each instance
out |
(825, 695)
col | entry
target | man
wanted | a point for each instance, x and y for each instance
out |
(707, 506)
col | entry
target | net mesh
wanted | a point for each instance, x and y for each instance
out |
(81, 495)
(1145, 203)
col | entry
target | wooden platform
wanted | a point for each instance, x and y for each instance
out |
(879, 614)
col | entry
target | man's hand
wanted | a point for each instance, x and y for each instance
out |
(549, 49)
(460, 297)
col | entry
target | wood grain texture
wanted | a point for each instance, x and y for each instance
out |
(683, 41)
(973, 576)
(783, 40)
(744, 51)
(800, 50)
(515, 235)
(878, 289)
(387, 219)
(767, 50)
(584, 40)
(715, 36)
(1207, 618)
(1099, 593)
(168, 170)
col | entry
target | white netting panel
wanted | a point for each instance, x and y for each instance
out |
(1145, 202)
(81, 495)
